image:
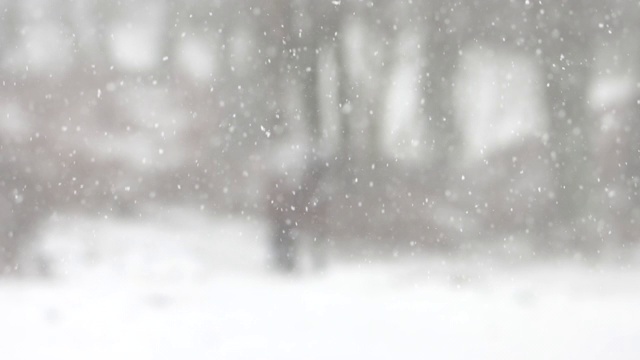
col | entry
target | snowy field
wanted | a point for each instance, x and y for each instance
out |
(184, 286)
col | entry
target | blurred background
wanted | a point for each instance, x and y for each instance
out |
(470, 151)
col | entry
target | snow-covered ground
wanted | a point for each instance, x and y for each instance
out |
(182, 285)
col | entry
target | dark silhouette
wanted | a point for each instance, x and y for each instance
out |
(297, 198)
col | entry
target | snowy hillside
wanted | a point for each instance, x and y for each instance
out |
(181, 285)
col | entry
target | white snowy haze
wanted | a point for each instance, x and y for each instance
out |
(319, 179)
